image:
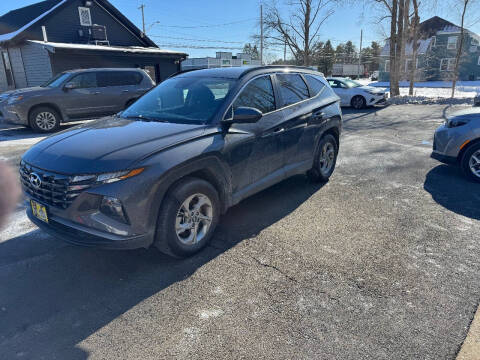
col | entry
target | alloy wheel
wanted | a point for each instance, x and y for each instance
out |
(357, 102)
(194, 218)
(327, 157)
(45, 120)
(474, 163)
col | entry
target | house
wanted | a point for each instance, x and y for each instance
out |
(438, 44)
(222, 59)
(46, 38)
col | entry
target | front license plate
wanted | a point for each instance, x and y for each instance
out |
(39, 211)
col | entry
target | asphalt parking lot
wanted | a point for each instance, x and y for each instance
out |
(379, 263)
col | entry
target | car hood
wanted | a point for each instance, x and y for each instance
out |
(469, 114)
(107, 145)
(23, 91)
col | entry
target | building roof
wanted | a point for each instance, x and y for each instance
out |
(15, 22)
(52, 46)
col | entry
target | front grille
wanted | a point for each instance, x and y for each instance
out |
(54, 189)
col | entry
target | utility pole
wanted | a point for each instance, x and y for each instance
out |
(142, 7)
(360, 53)
(285, 51)
(261, 34)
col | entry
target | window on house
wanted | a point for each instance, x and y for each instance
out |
(475, 42)
(452, 42)
(387, 66)
(408, 64)
(447, 64)
(8, 68)
(85, 18)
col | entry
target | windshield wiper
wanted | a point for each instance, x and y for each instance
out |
(144, 118)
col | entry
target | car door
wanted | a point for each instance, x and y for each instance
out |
(256, 150)
(116, 90)
(342, 91)
(81, 99)
(294, 95)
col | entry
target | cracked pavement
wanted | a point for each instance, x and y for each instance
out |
(379, 263)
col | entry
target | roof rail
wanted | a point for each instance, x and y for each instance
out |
(249, 70)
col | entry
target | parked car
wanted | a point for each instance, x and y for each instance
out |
(457, 142)
(164, 170)
(74, 95)
(354, 94)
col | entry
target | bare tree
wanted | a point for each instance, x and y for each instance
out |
(299, 28)
(460, 46)
(414, 27)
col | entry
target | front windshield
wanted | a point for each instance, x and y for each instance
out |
(351, 83)
(56, 80)
(182, 99)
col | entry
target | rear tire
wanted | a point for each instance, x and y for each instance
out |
(44, 119)
(325, 159)
(358, 102)
(470, 163)
(188, 217)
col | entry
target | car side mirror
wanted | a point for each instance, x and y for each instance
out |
(69, 86)
(246, 115)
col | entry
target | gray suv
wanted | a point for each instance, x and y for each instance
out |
(164, 170)
(74, 95)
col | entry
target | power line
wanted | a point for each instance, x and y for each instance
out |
(197, 39)
(203, 26)
(189, 46)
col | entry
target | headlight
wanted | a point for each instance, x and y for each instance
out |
(455, 122)
(14, 99)
(107, 178)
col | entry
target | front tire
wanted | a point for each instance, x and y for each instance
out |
(358, 102)
(470, 163)
(44, 119)
(188, 218)
(325, 159)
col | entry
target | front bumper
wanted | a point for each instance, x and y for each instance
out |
(79, 235)
(377, 99)
(450, 160)
(10, 114)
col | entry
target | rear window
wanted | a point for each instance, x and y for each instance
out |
(315, 85)
(292, 88)
(118, 78)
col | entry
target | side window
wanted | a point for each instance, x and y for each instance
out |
(314, 84)
(84, 81)
(292, 88)
(257, 94)
(333, 84)
(118, 78)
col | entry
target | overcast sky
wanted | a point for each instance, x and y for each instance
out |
(193, 25)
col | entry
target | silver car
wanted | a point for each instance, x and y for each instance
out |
(457, 142)
(74, 95)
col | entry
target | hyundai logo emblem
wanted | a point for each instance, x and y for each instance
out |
(35, 180)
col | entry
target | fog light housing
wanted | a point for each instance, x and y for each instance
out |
(113, 208)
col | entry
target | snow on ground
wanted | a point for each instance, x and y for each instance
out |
(431, 92)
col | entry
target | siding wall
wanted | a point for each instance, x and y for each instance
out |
(63, 26)
(37, 64)
(16, 61)
(3, 77)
